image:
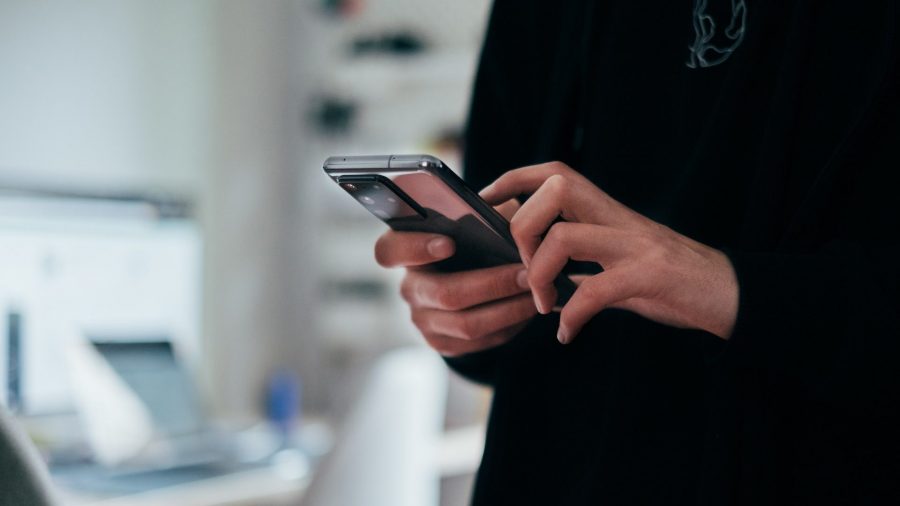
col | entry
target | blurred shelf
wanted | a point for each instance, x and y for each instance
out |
(376, 77)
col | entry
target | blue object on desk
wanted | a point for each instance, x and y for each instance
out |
(283, 401)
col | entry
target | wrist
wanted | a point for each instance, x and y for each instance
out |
(723, 295)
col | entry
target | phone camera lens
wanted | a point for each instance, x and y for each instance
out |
(365, 199)
(350, 187)
(392, 200)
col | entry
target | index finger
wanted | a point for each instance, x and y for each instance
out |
(521, 181)
(572, 241)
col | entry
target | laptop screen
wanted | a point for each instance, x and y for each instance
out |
(160, 381)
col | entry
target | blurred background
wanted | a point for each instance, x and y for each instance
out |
(191, 310)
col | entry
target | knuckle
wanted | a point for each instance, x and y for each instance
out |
(558, 166)
(444, 296)
(407, 288)
(505, 176)
(508, 173)
(646, 242)
(656, 254)
(516, 226)
(507, 283)
(420, 321)
(557, 184)
(467, 328)
(559, 233)
(560, 188)
(534, 279)
(496, 286)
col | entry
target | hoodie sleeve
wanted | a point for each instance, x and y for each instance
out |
(826, 312)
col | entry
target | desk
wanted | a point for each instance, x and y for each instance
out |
(262, 486)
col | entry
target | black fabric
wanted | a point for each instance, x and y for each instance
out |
(782, 156)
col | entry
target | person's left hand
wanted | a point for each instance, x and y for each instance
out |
(647, 267)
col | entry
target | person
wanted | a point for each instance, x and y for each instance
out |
(724, 165)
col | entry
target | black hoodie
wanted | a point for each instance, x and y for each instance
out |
(766, 129)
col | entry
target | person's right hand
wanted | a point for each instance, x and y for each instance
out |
(457, 312)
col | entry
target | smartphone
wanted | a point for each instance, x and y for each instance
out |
(419, 193)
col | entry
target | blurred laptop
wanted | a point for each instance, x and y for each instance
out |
(146, 423)
(183, 433)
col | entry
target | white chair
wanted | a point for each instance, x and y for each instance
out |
(386, 451)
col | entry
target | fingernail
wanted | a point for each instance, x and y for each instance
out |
(562, 336)
(522, 279)
(440, 247)
(487, 189)
(537, 303)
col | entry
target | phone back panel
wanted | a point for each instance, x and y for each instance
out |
(431, 205)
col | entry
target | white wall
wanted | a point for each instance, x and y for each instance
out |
(105, 93)
(260, 303)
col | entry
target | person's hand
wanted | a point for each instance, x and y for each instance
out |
(647, 268)
(459, 312)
